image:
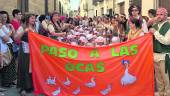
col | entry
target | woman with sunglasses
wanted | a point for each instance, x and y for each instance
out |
(135, 12)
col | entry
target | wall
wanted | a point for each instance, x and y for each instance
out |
(8, 5)
(146, 5)
(36, 6)
(91, 10)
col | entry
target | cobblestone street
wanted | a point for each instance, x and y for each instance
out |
(13, 91)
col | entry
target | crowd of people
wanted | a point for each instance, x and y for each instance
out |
(78, 31)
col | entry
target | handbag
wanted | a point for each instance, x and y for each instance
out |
(6, 58)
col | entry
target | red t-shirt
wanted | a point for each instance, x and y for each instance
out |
(16, 24)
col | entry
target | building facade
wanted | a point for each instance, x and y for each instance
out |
(108, 7)
(86, 8)
(8, 5)
(144, 4)
(103, 7)
(36, 6)
(64, 7)
(93, 8)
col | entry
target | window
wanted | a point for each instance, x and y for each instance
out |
(110, 12)
(55, 5)
(19, 4)
(165, 4)
(26, 5)
(135, 2)
(102, 11)
(122, 7)
(95, 2)
(60, 7)
(62, 11)
(23, 5)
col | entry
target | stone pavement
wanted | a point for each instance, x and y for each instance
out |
(13, 91)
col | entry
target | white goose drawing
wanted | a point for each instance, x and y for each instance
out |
(56, 92)
(92, 83)
(107, 90)
(67, 82)
(127, 78)
(76, 91)
(51, 80)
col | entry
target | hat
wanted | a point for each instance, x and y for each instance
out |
(96, 32)
(83, 39)
(94, 29)
(115, 39)
(70, 36)
(80, 30)
(100, 39)
(162, 10)
(89, 36)
(94, 36)
(77, 33)
(74, 43)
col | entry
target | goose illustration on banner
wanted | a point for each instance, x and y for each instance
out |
(51, 80)
(56, 92)
(107, 90)
(91, 83)
(76, 91)
(127, 77)
(67, 82)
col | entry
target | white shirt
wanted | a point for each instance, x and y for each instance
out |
(7, 31)
(25, 47)
(144, 25)
(162, 39)
(3, 46)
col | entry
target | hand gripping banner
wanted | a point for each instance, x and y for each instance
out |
(124, 69)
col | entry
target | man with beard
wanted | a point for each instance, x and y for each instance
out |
(161, 32)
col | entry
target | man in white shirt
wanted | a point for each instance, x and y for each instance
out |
(161, 32)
